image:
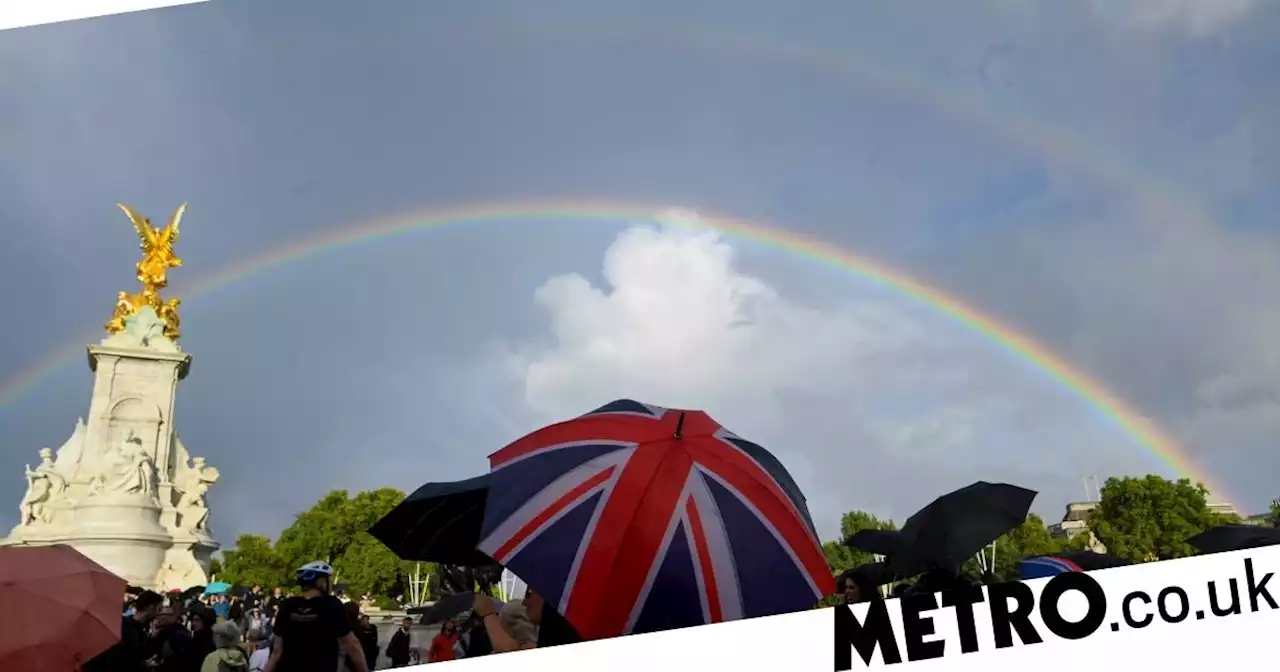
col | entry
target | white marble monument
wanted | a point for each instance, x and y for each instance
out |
(123, 489)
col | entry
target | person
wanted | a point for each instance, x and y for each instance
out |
(254, 620)
(512, 630)
(130, 653)
(310, 627)
(856, 587)
(398, 649)
(235, 611)
(477, 639)
(169, 641)
(273, 602)
(367, 633)
(200, 620)
(228, 656)
(258, 650)
(442, 644)
(253, 598)
(221, 607)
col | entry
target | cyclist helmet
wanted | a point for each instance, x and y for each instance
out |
(310, 572)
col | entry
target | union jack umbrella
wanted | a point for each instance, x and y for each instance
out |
(635, 518)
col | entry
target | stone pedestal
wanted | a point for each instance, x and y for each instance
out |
(122, 485)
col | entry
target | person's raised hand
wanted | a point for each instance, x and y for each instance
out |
(483, 606)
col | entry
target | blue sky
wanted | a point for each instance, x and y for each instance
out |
(1100, 175)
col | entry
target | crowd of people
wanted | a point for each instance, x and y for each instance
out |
(310, 629)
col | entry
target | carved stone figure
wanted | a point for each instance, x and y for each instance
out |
(44, 486)
(192, 505)
(136, 471)
(180, 570)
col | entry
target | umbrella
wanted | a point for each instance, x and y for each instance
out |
(66, 608)
(956, 526)
(635, 518)
(439, 522)
(217, 588)
(1077, 561)
(879, 542)
(873, 574)
(449, 606)
(1225, 538)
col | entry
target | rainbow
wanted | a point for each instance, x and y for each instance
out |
(1143, 431)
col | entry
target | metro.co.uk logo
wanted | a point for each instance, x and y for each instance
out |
(1009, 609)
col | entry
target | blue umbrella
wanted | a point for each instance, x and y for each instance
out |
(1074, 561)
(217, 588)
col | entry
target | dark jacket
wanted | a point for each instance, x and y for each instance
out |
(200, 647)
(478, 643)
(169, 647)
(127, 655)
(398, 649)
(368, 636)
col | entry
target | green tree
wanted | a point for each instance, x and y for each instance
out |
(1149, 518)
(839, 556)
(842, 556)
(319, 533)
(1273, 516)
(253, 560)
(335, 531)
(215, 567)
(1028, 540)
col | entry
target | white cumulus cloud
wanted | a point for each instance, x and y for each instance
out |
(870, 404)
(1198, 17)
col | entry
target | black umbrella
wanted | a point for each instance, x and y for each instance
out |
(956, 526)
(449, 606)
(1225, 538)
(874, 574)
(440, 522)
(879, 542)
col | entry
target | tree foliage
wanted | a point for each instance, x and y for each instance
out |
(1273, 517)
(334, 530)
(1028, 540)
(1150, 518)
(253, 560)
(851, 524)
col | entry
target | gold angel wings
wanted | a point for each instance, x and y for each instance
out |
(157, 246)
(152, 271)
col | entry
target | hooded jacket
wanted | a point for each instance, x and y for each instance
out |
(226, 660)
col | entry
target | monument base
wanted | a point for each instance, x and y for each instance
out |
(123, 489)
(123, 533)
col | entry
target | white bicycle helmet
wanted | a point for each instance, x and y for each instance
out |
(308, 573)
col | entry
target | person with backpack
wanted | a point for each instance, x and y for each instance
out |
(228, 657)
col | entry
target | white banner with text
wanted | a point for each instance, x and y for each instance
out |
(1207, 612)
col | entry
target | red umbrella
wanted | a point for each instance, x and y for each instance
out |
(64, 608)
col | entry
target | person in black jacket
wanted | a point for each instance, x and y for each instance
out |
(201, 621)
(398, 651)
(478, 643)
(130, 653)
(168, 642)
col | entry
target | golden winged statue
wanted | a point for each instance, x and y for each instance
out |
(153, 272)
